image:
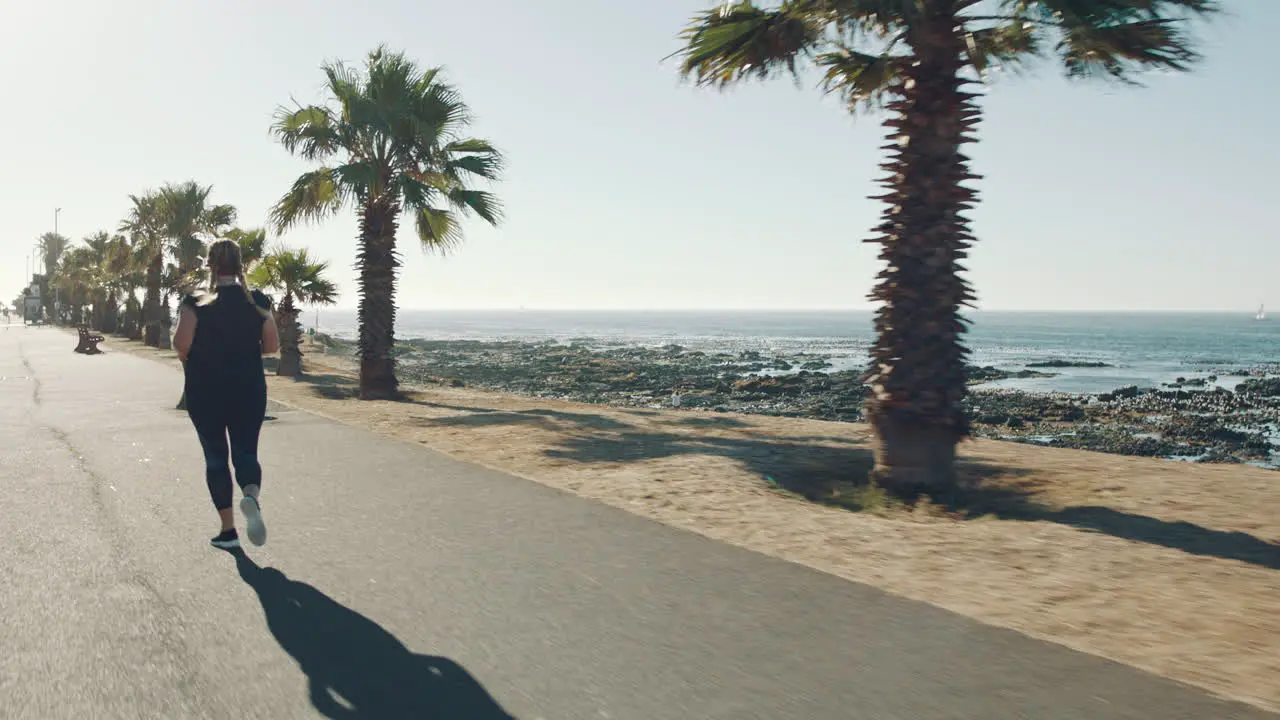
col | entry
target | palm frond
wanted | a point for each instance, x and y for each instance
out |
(438, 230)
(1047, 10)
(358, 179)
(252, 243)
(472, 145)
(862, 80)
(438, 110)
(218, 217)
(314, 196)
(416, 190)
(473, 157)
(263, 274)
(1006, 46)
(740, 41)
(189, 252)
(98, 243)
(181, 208)
(482, 203)
(308, 132)
(318, 290)
(1116, 38)
(359, 111)
(1118, 50)
(391, 86)
(875, 18)
(143, 222)
(297, 275)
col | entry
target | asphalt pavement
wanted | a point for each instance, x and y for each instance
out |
(400, 583)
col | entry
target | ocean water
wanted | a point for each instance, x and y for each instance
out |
(1146, 349)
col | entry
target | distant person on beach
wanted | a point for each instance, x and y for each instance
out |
(221, 337)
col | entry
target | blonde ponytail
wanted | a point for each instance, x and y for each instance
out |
(224, 259)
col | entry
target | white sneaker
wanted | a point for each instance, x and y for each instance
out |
(254, 525)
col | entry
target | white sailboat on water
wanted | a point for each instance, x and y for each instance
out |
(1262, 313)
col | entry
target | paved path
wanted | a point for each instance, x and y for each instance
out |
(399, 583)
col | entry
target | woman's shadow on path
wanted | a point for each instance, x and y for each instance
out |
(354, 667)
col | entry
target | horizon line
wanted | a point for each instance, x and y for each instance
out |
(1203, 311)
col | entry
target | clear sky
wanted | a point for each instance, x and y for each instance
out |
(629, 189)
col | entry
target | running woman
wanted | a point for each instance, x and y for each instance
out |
(221, 338)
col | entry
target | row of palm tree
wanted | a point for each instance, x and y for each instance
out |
(390, 142)
(159, 250)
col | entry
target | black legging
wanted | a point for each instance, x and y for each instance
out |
(222, 416)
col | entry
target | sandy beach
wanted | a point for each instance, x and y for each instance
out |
(1170, 567)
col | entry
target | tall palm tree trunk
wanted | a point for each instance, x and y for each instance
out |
(46, 299)
(917, 372)
(124, 327)
(151, 303)
(290, 352)
(111, 314)
(377, 263)
(165, 338)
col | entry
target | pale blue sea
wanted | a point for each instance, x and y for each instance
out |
(1146, 348)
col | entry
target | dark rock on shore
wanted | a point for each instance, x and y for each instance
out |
(1115, 440)
(1128, 391)
(1210, 425)
(988, 373)
(1069, 364)
(1206, 426)
(1264, 387)
(1193, 382)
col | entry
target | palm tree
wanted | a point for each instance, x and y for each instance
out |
(128, 264)
(97, 246)
(118, 279)
(76, 280)
(301, 281)
(252, 242)
(145, 225)
(915, 58)
(51, 246)
(392, 141)
(171, 223)
(188, 219)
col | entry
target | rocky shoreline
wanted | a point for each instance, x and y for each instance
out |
(1191, 420)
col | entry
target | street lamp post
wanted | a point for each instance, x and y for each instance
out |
(35, 268)
(56, 290)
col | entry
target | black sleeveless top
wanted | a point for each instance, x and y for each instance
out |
(226, 352)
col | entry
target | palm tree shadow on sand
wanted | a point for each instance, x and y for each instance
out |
(354, 667)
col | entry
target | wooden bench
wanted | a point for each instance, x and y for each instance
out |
(88, 344)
